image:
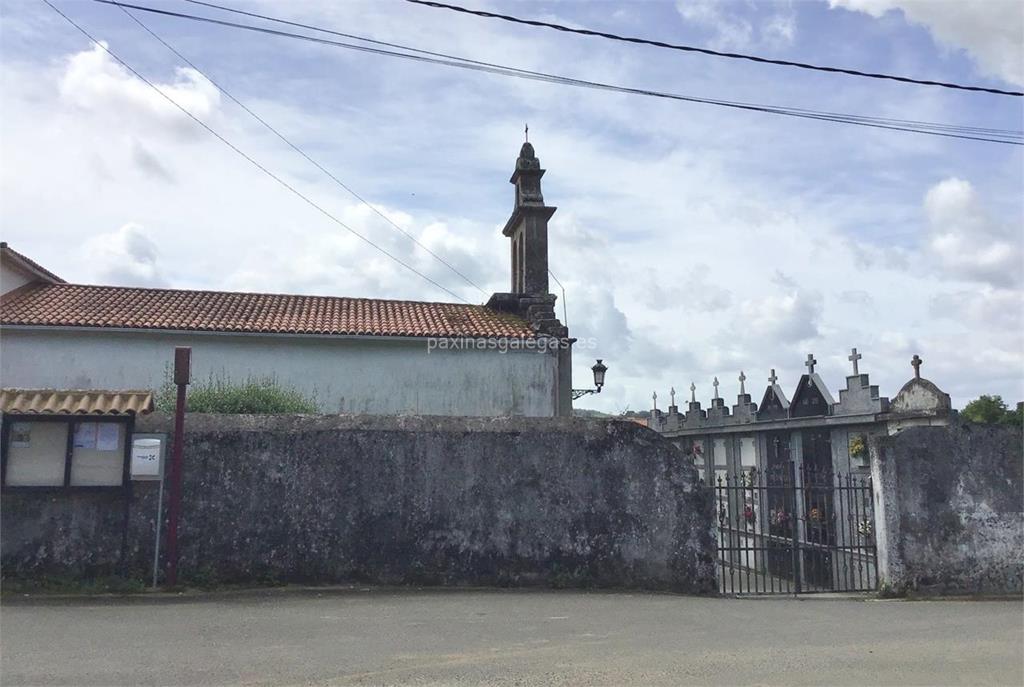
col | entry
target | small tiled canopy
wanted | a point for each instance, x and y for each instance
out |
(62, 402)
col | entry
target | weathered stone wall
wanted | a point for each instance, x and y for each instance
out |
(949, 512)
(396, 500)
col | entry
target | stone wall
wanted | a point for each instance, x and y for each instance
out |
(949, 509)
(421, 500)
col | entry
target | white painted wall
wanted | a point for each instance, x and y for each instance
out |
(375, 375)
(11, 277)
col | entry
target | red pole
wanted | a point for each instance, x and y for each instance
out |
(182, 360)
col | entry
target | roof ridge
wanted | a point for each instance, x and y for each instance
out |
(63, 284)
(143, 308)
(32, 265)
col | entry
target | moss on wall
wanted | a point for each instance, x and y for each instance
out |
(398, 500)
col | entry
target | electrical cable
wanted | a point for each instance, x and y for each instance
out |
(248, 158)
(1009, 137)
(301, 152)
(342, 34)
(704, 51)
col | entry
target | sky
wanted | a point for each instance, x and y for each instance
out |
(692, 241)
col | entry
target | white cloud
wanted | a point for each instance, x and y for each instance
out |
(780, 29)
(986, 309)
(699, 292)
(790, 316)
(733, 30)
(966, 241)
(125, 257)
(95, 82)
(991, 31)
(150, 163)
(859, 298)
(706, 203)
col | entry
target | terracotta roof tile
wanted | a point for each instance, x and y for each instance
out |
(77, 305)
(53, 402)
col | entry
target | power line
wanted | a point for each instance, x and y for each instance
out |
(1009, 137)
(301, 152)
(251, 160)
(707, 51)
(320, 29)
(199, 2)
(342, 34)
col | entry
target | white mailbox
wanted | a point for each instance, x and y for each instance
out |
(147, 457)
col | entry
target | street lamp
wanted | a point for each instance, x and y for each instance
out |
(599, 369)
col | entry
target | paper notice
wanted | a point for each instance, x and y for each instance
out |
(85, 435)
(108, 436)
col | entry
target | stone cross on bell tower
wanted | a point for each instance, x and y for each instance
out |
(528, 226)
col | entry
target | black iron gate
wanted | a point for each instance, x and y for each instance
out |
(784, 531)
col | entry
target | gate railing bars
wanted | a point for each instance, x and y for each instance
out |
(787, 531)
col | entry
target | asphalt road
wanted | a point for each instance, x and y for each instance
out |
(508, 638)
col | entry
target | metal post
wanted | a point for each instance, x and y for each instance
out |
(795, 542)
(182, 359)
(159, 518)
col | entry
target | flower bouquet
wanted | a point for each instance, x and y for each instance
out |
(859, 448)
(866, 528)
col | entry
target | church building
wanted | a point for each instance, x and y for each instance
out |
(510, 356)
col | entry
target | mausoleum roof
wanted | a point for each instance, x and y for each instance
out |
(117, 307)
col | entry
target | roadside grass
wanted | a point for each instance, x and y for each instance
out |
(201, 580)
(58, 584)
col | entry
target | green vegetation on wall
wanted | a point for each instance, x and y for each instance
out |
(254, 396)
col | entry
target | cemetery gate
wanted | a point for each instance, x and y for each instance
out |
(790, 531)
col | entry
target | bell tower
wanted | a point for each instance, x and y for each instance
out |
(527, 228)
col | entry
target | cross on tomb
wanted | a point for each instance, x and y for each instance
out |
(672, 394)
(853, 358)
(811, 362)
(743, 378)
(915, 362)
(715, 384)
(693, 392)
(526, 132)
(773, 378)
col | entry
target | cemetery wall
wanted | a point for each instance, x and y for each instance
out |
(949, 517)
(393, 500)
